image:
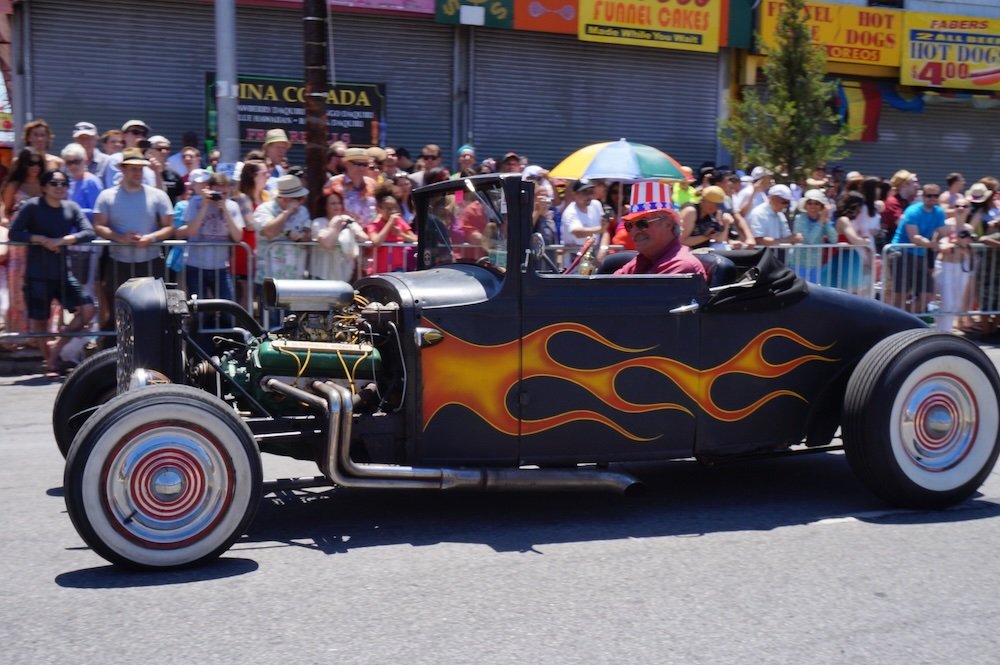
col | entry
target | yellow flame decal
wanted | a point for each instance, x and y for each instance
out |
(479, 377)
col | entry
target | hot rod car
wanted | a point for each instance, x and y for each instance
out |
(496, 371)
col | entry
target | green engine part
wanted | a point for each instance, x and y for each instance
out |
(277, 358)
(316, 359)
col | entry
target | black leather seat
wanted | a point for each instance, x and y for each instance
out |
(613, 262)
(719, 269)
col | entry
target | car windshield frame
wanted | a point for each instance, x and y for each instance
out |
(465, 220)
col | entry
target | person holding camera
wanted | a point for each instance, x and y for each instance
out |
(213, 219)
(955, 263)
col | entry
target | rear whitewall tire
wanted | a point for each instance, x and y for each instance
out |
(921, 424)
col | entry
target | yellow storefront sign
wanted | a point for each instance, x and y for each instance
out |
(944, 51)
(689, 25)
(860, 35)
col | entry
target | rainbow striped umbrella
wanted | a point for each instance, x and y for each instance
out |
(620, 161)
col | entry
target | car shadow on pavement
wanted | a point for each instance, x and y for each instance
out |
(682, 499)
(111, 577)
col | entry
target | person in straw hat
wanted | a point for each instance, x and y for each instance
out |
(133, 216)
(279, 223)
(655, 230)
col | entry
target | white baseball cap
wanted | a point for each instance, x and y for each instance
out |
(781, 191)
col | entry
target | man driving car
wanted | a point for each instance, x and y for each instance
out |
(655, 229)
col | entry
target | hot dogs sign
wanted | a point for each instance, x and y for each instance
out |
(951, 52)
(931, 50)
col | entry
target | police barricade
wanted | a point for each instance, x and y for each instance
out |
(853, 268)
(957, 288)
(99, 274)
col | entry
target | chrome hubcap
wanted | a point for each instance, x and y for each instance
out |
(939, 422)
(167, 485)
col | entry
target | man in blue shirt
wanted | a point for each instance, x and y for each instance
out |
(913, 266)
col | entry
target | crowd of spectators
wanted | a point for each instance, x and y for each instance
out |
(131, 187)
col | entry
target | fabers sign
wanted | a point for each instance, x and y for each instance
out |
(951, 52)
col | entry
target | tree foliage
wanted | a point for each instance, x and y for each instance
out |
(790, 127)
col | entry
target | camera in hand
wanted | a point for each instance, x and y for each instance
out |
(144, 145)
(964, 234)
(215, 196)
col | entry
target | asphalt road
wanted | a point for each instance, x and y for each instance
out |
(781, 561)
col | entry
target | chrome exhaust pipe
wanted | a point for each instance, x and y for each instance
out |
(338, 466)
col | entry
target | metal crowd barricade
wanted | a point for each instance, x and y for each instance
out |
(853, 268)
(89, 263)
(943, 286)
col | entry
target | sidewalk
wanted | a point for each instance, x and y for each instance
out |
(22, 362)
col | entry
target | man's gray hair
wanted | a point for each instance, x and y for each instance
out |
(73, 151)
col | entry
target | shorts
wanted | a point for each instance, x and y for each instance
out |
(912, 273)
(41, 292)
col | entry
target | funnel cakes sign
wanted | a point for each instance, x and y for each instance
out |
(689, 25)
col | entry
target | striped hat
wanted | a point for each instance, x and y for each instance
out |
(648, 196)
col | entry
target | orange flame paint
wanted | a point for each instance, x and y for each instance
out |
(454, 377)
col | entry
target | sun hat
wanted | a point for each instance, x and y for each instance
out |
(759, 173)
(133, 157)
(134, 123)
(357, 154)
(978, 193)
(854, 175)
(466, 148)
(813, 195)
(276, 136)
(713, 194)
(290, 187)
(583, 184)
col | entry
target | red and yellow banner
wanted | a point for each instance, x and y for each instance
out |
(943, 51)
(688, 25)
(860, 35)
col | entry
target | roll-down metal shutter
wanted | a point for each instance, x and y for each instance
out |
(546, 95)
(107, 62)
(944, 137)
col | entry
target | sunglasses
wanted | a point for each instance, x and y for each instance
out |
(430, 156)
(59, 183)
(73, 162)
(34, 162)
(641, 224)
(138, 132)
(931, 196)
(363, 165)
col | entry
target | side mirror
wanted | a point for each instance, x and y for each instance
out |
(537, 245)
